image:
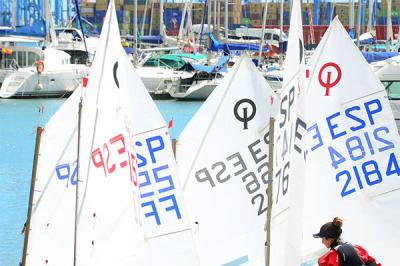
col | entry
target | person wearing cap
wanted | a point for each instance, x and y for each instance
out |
(341, 253)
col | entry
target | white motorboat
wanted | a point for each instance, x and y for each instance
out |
(52, 76)
(202, 82)
(158, 80)
(198, 89)
(387, 70)
(17, 52)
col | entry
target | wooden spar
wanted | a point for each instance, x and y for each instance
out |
(269, 190)
(174, 142)
(77, 179)
(27, 226)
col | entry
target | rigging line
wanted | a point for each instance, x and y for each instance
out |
(111, 15)
(151, 130)
(386, 192)
(171, 233)
(209, 126)
(364, 96)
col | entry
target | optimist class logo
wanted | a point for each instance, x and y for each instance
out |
(325, 79)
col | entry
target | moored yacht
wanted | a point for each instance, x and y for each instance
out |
(51, 76)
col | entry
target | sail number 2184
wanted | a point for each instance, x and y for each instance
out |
(369, 172)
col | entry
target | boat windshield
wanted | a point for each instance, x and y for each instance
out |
(23, 57)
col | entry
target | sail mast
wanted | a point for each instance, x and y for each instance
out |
(77, 179)
(370, 11)
(27, 226)
(144, 17)
(262, 32)
(389, 32)
(359, 23)
(269, 190)
(185, 8)
(280, 33)
(226, 13)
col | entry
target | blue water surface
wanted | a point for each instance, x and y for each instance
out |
(18, 122)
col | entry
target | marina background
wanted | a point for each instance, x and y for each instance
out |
(316, 14)
(18, 122)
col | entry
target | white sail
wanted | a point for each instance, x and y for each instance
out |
(222, 163)
(121, 101)
(51, 238)
(109, 220)
(168, 236)
(352, 165)
(289, 129)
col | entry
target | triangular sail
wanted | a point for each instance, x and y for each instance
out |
(109, 219)
(109, 223)
(222, 163)
(51, 238)
(353, 151)
(166, 228)
(289, 129)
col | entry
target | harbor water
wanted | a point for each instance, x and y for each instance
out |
(18, 122)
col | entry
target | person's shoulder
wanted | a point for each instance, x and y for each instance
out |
(363, 253)
(330, 258)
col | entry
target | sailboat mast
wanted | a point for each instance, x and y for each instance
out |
(144, 17)
(269, 190)
(27, 225)
(14, 14)
(226, 20)
(389, 25)
(359, 22)
(262, 32)
(215, 14)
(280, 33)
(218, 15)
(151, 18)
(162, 18)
(77, 179)
(209, 8)
(370, 10)
(180, 35)
(135, 28)
(351, 14)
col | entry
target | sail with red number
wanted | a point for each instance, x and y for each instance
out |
(123, 145)
(353, 152)
(100, 223)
